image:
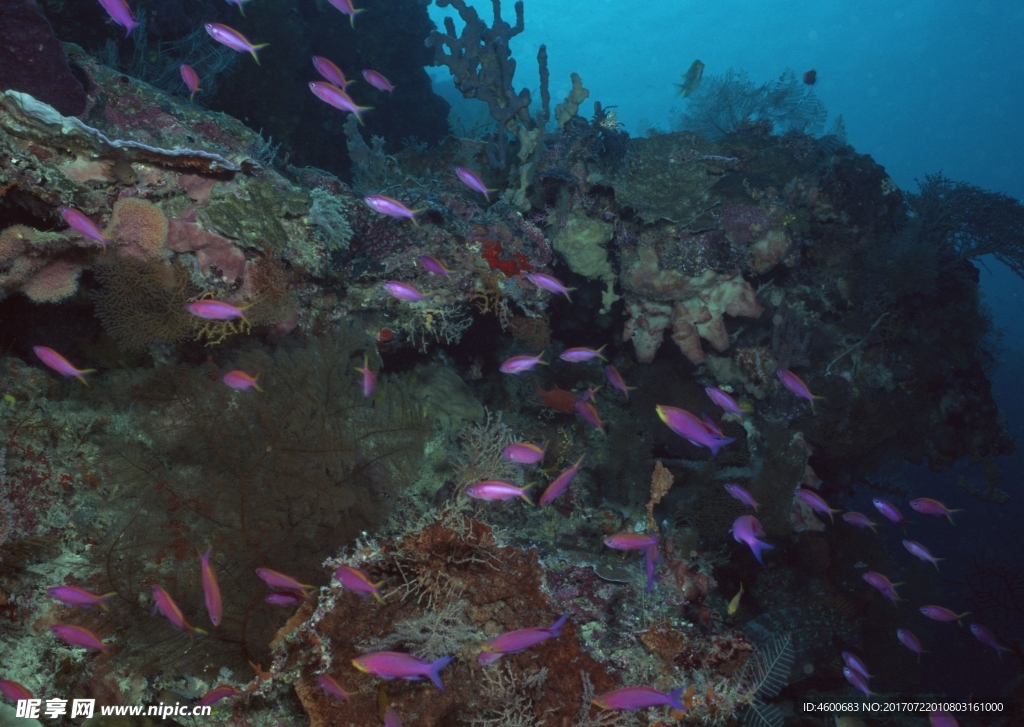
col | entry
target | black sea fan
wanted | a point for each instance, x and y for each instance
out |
(772, 665)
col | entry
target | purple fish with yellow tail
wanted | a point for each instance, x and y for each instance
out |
(121, 14)
(919, 551)
(581, 353)
(908, 639)
(631, 698)
(512, 642)
(884, 586)
(928, 506)
(219, 692)
(61, 365)
(745, 529)
(330, 72)
(856, 663)
(336, 97)
(498, 490)
(390, 207)
(857, 681)
(231, 38)
(588, 413)
(242, 381)
(742, 494)
(795, 384)
(369, 380)
(692, 429)
(560, 483)
(211, 589)
(725, 401)
(163, 603)
(988, 638)
(432, 265)
(858, 520)
(550, 283)
(333, 687)
(474, 182)
(396, 665)
(78, 636)
(940, 613)
(378, 80)
(616, 380)
(890, 511)
(215, 310)
(13, 692)
(240, 4)
(346, 7)
(281, 582)
(191, 79)
(816, 502)
(82, 224)
(518, 364)
(358, 581)
(78, 596)
(404, 291)
(523, 453)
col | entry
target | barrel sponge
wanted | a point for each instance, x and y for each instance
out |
(53, 282)
(140, 226)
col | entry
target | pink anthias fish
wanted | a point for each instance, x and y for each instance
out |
(121, 14)
(856, 663)
(616, 380)
(215, 310)
(581, 353)
(549, 283)
(524, 453)
(61, 365)
(285, 599)
(908, 639)
(816, 502)
(795, 384)
(692, 429)
(396, 665)
(857, 681)
(78, 636)
(219, 692)
(163, 603)
(631, 698)
(560, 483)
(940, 613)
(928, 506)
(498, 490)
(432, 265)
(358, 581)
(13, 692)
(858, 520)
(518, 364)
(191, 79)
(919, 551)
(281, 582)
(890, 511)
(742, 494)
(939, 718)
(82, 224)
(369, 380)
(378, 80)
(884, 586)
(474, 182)
(211, 589)
(330, 72)
(404, 291)
(242, 381)
(988, 638)
(725, 401)
(712, 426)
(631, 541)
(391, 718)
(336, 97)
(390, 207)
(346, 7)
(78, 596)
(513, 642)
(228, 36)
(332, 687)
(745, 529)
(588, 413)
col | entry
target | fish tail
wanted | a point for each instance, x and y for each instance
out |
(965, 613)
(256, 48)
(675, 699)
(556, 627)
(719, 444)
(434, 671)
(758, 547)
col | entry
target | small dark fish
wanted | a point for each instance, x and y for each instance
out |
(691, 79)
(123, 172)
(810, 77)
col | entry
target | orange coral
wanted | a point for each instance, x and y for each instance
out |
(140, 226)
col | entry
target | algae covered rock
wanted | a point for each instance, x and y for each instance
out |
(582, 245)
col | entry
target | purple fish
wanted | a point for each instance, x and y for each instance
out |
(588, 413)
(211, 589)
(857, 680)
(78, 636)
(741, 494)
(928, 506)
(630, 698)
(191, 79)
(396, 665)
(215, 310)
(333, 687)
(518, 364)
(908, 639)
(391, 719)
(560, 483)
(650, 559)
(166, 605)
(358, 581)
(433, 265)
(745, 529)
(988, 638)
(285, 599)
(523, 453)
(498, 490)
(723, 400)
(369, 382)
(219, 692)
(473, 182)
(795, 384)
(239, 3)
(228, 36)
(886, 587)
(13, 692)
(856, 663)
(858, 520)
(390, 207)
(939, 718)
(549, 283)
(616, 380)
(939, 613)
(346, 7)
(512, 642)
(281, 582)
(919, 551)
(330, 72)
(378, 80)
(712, 425)
(404, 291)
(78, 596)
(80, 223)
(336, 97)
(242, 381)
(60, 364)
(890, 511)
(121, 14)
(690, 428)
(631, 541)
(581, 353)
(815, 501)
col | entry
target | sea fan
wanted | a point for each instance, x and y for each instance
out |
(772, 665)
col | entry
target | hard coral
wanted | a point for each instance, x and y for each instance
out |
(140, 227)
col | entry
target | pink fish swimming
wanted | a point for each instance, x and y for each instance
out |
(988, 638)
(523, 453)
(60, 364)
(474, 182)
(285, 599)
(80, 223)
(404, 291)
(78, 636)
(330, 72)
(163, 603)
(281, 582)
(336, 97)
(928, 506)
(228, 36)
(346, 7)
(390, 207)
(616, 380)
(498, 490)
(78, 596)
(630, 698)
(211, 589)
(219, 692)
(549, 283)
(215, 310)
(396, 665)
(795, 384)
(940, 613)
(890, 511)
(857, 681)
(858, 520)
(121, 14)
(745, 529)
(242, 381)
(13, 692)
(560, 483)
(588, 413)
(886, 587)
(518, 364)
(816, 502)
(432, 265)
(856, 663)
(369, 381)
(378, 80)
(581, 353)
(690, 428)
(239, 3)
(631, 541)
(742, 494)
(358, 581)
(512, 642)
(332, 687)
(908, 639)
(724, 400)
(919, 551)
(191, 79)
